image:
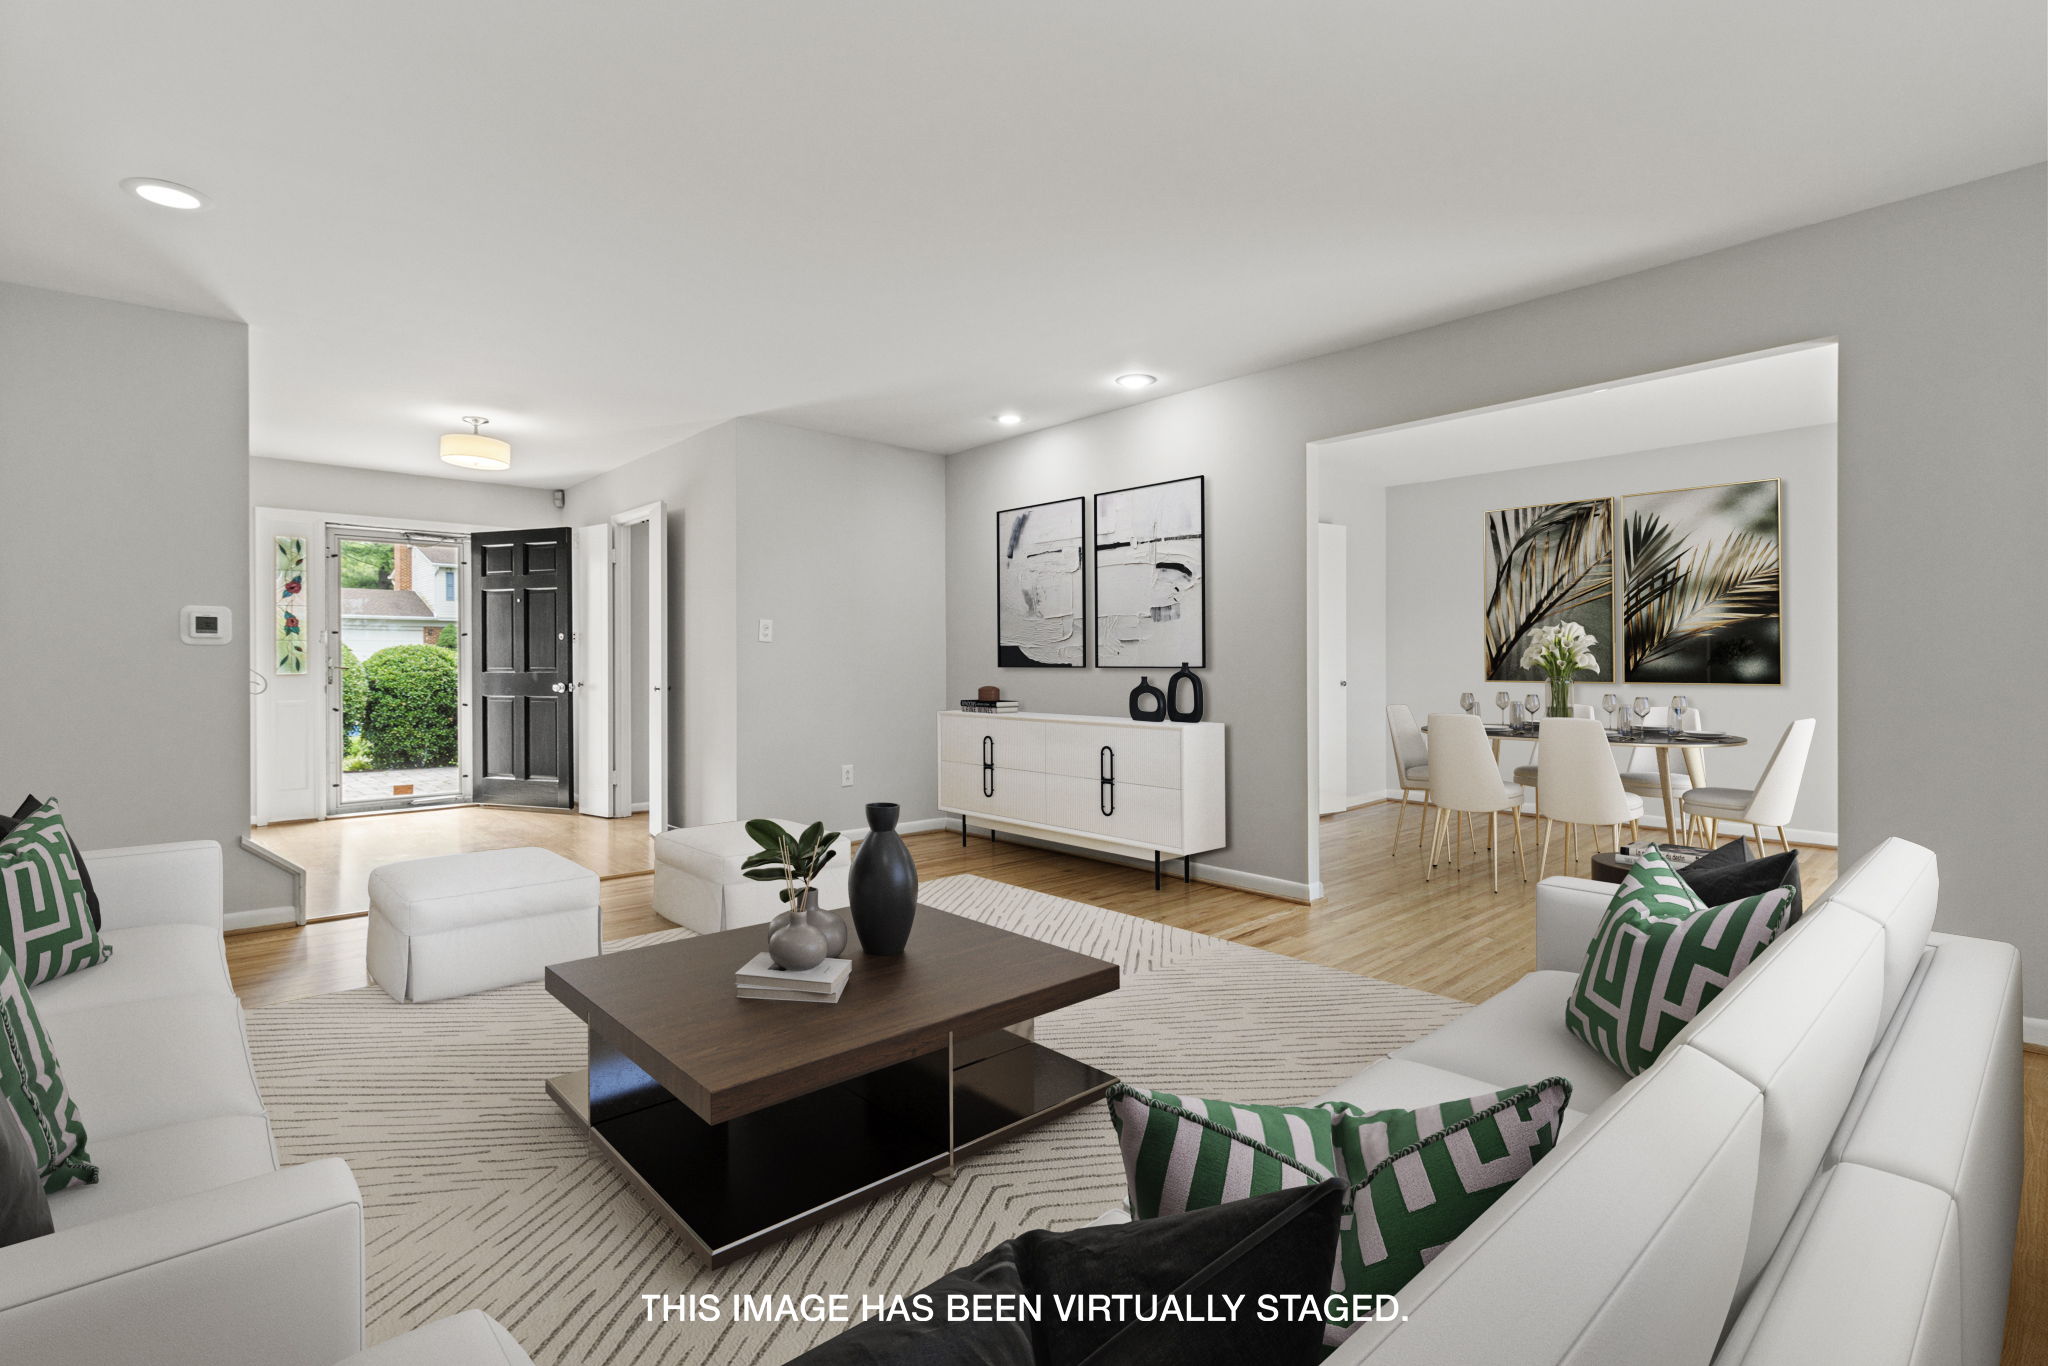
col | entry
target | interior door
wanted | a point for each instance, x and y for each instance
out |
(522, 664)
(1333, 647)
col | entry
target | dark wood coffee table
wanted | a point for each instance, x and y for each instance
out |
(744, 1121)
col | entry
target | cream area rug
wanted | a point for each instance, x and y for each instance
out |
(479, 1194)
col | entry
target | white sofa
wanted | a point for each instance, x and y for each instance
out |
(1823, 1167)
(195, 1248)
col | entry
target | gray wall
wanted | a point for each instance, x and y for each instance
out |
(305, 487)
(1435, 597)
(124, 496)
(1941, 307)
(842, 547)
(838, 542)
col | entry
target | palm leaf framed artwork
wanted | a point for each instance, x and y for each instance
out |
(1546, 565)
(1703, 592)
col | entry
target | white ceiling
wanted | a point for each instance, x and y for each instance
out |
(1775, 392)
(608, 225)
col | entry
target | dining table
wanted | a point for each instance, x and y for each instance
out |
(1691, 744)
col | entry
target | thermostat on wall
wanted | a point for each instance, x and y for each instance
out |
(206, 626)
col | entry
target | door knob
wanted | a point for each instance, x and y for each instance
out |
(558, 687)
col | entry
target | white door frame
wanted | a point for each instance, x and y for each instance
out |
(1332, 664)
(610, 603)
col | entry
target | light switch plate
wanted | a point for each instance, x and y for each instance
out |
(767, 629)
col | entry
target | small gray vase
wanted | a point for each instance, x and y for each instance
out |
(795, 944)
(831, 924)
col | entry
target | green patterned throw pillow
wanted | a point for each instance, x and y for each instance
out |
(1661, 954)
(48, 930)
(1419, 1178)
(1182, 1154)
(33, 1088)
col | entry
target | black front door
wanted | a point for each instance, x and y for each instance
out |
(519, 657)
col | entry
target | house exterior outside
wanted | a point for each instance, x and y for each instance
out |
(424, 597)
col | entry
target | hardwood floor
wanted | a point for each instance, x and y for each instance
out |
(1451, 935)
(339, 854)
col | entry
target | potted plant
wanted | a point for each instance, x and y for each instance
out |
(1559, 652)
(803, 935)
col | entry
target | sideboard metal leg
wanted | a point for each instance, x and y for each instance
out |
(963, 831)
(1156, 884)
(1187, 868)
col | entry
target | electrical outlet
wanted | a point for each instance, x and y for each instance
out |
(846, 775)
(767, 629)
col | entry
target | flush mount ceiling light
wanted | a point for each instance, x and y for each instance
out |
(1136, 381)
(473, 450)
(166, 194)
(1009, 419)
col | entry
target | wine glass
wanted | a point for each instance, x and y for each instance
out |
(1533, 704)
(1642, 711)
(1679, 706)
(1610, 704)
(1501, 700)
(1469, 703)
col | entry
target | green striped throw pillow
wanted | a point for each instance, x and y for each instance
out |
(48, 928)
(1183, 1153)
(33, 1088)
(1419, 1178)
(1661, 954)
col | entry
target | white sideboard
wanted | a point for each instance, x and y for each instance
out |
(1097, 782)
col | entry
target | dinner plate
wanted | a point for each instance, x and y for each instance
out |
(1705, 735)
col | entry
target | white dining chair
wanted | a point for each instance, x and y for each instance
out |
(1639, 767)
(1464, 779)
(1581, 785)
(1526, 774)
(1411, 758)
(1770, 802)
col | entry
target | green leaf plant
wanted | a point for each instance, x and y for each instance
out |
(793, 860)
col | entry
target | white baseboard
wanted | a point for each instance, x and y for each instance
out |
(928, 823)
(260, 919)
(2034, 1030)
(639, 809)
(1825, 838)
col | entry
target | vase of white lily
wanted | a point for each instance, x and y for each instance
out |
(1560, 652)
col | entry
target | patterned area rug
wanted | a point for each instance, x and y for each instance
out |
(479, 1194)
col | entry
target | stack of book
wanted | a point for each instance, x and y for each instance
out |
(761, 980)
(976, 704)
(1676, 855)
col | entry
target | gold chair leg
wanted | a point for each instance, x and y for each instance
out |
(1783, 842)
(1420, 832)
(1400, 817)
(1492, 826)
(1635, 831)
(1571, 845)
(1429, 859)
(1520, 857)
(1543, 860)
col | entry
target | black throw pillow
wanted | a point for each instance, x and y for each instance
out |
(23, 812)
(1282, 1244)
(1721, 877)
(24, 1209)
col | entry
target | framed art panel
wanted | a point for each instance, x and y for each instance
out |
(1546, 565)
(1149, 576)
(1702, 585)
(291, 605)
(1039, 587)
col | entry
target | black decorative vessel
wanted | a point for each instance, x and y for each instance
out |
(1143, 692)
(881, 887)
(1193, 710)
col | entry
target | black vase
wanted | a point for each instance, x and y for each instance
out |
(881, 887)
(1146, 690)
(1193, 710)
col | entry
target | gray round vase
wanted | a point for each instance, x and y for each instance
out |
(794, 943)
(882, 885)
(831, 924)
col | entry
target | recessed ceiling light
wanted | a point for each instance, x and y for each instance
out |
(165, 193)
(1009, 419)
(1135, 381)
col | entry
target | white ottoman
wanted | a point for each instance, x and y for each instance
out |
(698, 883)
(463, 923)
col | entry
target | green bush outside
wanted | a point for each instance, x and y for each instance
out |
(409, 714)
(355, 693)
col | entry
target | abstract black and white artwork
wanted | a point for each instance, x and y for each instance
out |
(1149, 577)
(1547, 565)
(1038, 587)
(1702, 585)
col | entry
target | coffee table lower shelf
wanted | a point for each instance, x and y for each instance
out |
(733, 1188)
